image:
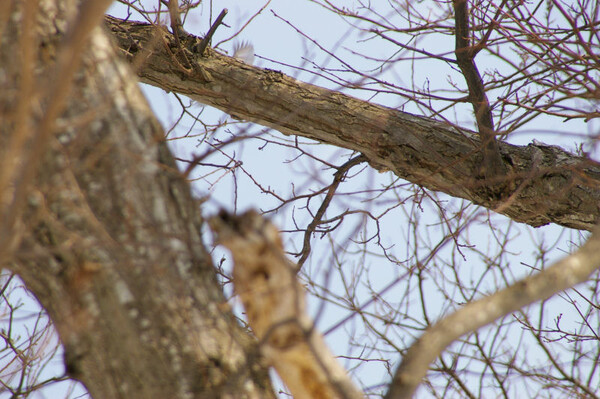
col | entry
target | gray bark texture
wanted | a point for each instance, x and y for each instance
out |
(544, 184)
(101, 226)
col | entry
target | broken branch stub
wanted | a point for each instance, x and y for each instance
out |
(274, 300)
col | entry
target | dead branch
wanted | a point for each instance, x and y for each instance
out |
(274, 301)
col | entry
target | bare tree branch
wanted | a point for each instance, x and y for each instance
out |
(99, 223)
(493, 166)
(339, 176)
(550, 184)
(564, 274)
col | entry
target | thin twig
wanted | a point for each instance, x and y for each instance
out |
(339, 176)
(562, 275)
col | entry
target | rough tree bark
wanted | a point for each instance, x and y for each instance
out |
(545, 183)
(106, 233)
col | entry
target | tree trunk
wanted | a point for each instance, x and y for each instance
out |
(106, 233)
(544, 184)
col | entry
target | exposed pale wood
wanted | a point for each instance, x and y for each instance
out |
(275, 304)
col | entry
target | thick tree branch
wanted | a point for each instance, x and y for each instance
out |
(564, 274)
(545, 184)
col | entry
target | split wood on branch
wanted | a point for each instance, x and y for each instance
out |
(275, 304)
(550, 184)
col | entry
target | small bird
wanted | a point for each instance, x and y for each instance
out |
(244, 51)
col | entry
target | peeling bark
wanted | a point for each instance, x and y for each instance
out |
(544, 184)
